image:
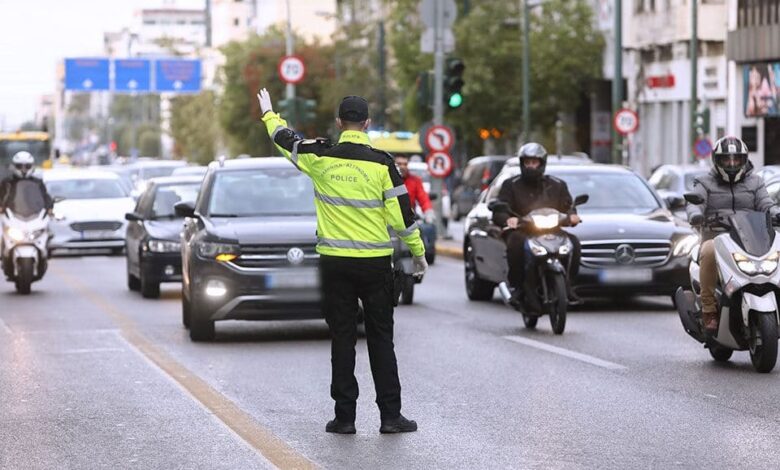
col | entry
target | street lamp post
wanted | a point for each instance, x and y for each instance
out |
(694, 46)
(617, 80)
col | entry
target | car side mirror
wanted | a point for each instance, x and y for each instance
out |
(674, 202)
(184, 209)
(693, 198)
(58, 199)
(581, 199)
(498, 206)
(133, 217)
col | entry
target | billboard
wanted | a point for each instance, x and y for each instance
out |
(762, 89)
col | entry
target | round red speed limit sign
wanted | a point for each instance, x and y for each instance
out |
(626, 121)
(291, 69)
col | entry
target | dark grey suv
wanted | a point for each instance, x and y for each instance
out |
(248, 246)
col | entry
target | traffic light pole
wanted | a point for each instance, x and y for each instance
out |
(694, 47)
(290, 90)
(438, 103)
(617, 80)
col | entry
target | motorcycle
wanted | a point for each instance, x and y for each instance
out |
(25, 236)
(546, 281)
(747, 254)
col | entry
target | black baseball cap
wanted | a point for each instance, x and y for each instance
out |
(353, 109)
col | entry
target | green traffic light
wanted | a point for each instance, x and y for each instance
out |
(456, 99)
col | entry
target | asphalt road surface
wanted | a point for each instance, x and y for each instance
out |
(94, 376)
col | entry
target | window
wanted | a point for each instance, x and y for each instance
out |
(167, 196)
(750, 137)
(246, 193)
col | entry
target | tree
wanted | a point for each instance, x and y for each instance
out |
(194, 130)
(131, 115)
(252, 64)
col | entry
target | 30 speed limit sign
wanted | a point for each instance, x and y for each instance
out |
(626, 121)
(291, 69)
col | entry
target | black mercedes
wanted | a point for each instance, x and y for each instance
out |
(631, 243)
(248, 246)
(152, 243)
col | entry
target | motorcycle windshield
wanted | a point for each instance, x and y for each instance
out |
(27, 199)
(752, 231)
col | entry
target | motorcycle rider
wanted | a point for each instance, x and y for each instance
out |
(730, 186)
(529, 191)
(22, 168)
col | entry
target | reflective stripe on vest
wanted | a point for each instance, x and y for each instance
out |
(342, 201)
(395, 192)
(353, 244)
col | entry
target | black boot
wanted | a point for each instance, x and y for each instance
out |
(396, 425)
(340, 427)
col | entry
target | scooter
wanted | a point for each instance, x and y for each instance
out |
(747, 254)
(547, 279)
(23, 249)
(403, 268)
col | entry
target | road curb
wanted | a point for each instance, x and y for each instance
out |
(449, 251)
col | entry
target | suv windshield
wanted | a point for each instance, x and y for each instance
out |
(84, 188)
(271, 191)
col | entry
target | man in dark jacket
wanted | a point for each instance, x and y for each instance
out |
(22, 168)
(728, 188)
(530, 191)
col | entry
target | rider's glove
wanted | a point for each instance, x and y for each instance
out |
(420, 266)
(265, 101)
(430, 216)
(696, 219)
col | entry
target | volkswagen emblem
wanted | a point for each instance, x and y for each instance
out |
(625, 254)
(295, 256)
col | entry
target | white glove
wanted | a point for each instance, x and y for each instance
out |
(420, 266)
(265, 101)
(430, 216)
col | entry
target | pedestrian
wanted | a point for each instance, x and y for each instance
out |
(359, 193)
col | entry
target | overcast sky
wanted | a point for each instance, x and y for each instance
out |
(36, 34)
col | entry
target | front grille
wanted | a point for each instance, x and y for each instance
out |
(96, 226)
(616, 253)
(274, 256)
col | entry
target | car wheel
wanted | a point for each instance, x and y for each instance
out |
(476, 288)
(201, 326)
(133, 283)
(149, 289)
(186, 309)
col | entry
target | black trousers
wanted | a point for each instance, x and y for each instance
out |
(344, 281)
(518, 258)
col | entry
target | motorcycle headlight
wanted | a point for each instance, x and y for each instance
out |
(218, 251)
(16, 234)
(685, 245)
(163, 246)
(769, 264)
(545, 222)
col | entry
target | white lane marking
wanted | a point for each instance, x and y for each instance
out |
(90, 350)
(566, 352)
(5, 327)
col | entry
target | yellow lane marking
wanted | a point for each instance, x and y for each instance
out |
(278, 452)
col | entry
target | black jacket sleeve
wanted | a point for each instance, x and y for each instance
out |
(47, 199)
(565, 201)
(3, 192)
(507, 195)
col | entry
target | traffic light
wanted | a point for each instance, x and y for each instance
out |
(308, 110)
(423, 85)
(453, 83)
(702, 123)
(298, 111)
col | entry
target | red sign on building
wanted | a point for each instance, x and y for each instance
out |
(661, 81)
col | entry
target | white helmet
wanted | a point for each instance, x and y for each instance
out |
(22, 164)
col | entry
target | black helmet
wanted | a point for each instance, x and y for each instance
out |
(730, 158)
(528, 151)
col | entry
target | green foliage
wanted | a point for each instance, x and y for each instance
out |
(149, 142)
(194, 130)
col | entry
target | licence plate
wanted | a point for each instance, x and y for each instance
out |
(625, 276)
(97, 234)
(293, 280)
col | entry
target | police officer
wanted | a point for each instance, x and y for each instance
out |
(358, 194)
(530, 191)
(22, 169)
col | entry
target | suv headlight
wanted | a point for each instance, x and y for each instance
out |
(163, 246)
(218, 251)
(684, 245)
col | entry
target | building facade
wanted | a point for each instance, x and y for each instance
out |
(754, 73)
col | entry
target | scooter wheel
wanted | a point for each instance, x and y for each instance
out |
(530, 322)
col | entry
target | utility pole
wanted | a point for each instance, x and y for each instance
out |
(617, 80)
(290, 90)
(526, 24)
(694, 49)
(382, 66)
(437, 184)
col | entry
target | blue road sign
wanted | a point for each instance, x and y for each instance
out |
(132, 75)
(703, 147)
(86, 74)
(177, 75)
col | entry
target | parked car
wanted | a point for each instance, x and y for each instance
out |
(90, 209)
(153, 240)
(768, 172)
(630, 242)
(673, 181)
(196, 170)
(144, 170)
(248, 246)
(477, 176)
